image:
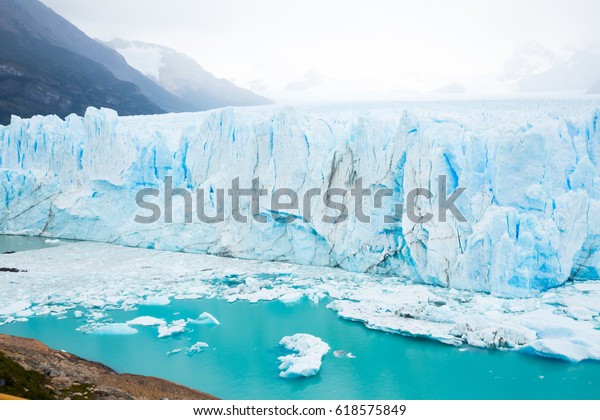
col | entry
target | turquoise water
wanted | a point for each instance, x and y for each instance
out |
(241, 362)
(10, 243)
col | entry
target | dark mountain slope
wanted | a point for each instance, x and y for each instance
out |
(39, 78)
(41, 22)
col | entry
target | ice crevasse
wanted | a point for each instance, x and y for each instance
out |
(529, 169)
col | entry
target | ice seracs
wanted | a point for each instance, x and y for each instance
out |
(308, 351)
(529, 169)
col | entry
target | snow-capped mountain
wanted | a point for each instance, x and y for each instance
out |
(182, 76)
(529, 59)
(534, 68)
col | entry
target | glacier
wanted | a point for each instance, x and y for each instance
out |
(529, 169)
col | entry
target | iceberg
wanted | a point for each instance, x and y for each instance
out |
(147, 321)
(157, 300)
(174, 328)
(173, 352)
(197, 347)
(529, 170)
(205, 319)
(109, 329)
(305, 360)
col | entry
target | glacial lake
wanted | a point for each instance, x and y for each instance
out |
(241, 360)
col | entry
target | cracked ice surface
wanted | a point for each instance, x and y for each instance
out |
(96, 278)
(530, 169)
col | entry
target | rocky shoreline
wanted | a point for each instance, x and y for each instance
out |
(32, 370)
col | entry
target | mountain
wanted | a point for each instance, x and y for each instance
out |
(534, 68)
(182, 76)
(528, 59)
(32, 19)
(39, 78)
(595, 89)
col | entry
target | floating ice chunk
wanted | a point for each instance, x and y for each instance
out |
(315, 297)
(15, 307)
(252, 285)
(147, 321)
(306, 359)
(52, 241)
(97, 314)
(573, 350)
(157, 301)
(173, 352)
(291, 297)
(25, 314)
(205, 319)
(343, 353)
(174, 328)
(77, 314)
(197, 348)
(112, 329)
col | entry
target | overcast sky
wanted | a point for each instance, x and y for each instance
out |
(386, 42)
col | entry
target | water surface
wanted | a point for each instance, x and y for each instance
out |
(241, 362)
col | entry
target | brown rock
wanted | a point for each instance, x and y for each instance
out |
(72, 377)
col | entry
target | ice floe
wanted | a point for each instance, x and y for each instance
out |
(174, 328)
(205, 319)
(308, 351)
(174, 352)
(157, 301)
(147, 321)
(110, 329)
(197, 348)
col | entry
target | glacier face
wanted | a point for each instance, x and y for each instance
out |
(529, 169)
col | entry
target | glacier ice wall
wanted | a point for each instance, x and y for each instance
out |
(529, 169)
